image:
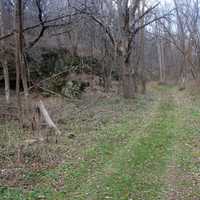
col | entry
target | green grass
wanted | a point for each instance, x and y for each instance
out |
(109, 137)
(188, 152)
(136, 169)
(127, 157)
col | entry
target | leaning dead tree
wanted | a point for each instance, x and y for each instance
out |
(40, 112)
(47, 118)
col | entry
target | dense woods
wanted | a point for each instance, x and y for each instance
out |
(71, 71)
(132, 42)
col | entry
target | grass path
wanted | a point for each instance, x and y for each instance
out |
(183, 175)
(152, 153)
(136, 170)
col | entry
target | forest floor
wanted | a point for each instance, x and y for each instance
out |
(142, 149)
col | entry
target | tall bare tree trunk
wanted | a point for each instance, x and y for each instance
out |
(3, 56)
(160, 52)
(126, 46)
(182, 38)
(21, 74)
(142, 64)
(127, 81)
(107, 64)
(107, 78)
(163, 60)
(160, 48)
(6, 81)
(126, 71)
(18, 54)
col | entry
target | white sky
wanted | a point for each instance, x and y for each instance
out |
(168, 3)
(162, 1)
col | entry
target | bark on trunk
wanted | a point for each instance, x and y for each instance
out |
(142, 57)
(182, 39)
(160, 48)
(21, 74)
(107, 79)
(3, 57)
(107, 83)
(126, 44)
(18, 54)
(6, 81)
(127, 81)
(48, 120)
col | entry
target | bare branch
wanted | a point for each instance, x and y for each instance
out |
(37, 25)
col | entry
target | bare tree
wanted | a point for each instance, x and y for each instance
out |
(20, 66)
(142, 50)
(4, 61)
(161, 55)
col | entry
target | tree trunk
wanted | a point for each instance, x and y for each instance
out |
(183, 64)
(163, 60)
(142, 63)
(107, 64)
(160, 48)
(7, 81)
(21, 74)
(127, 81)
(182, 38)
(3, 57)
(127, 40)
(18, 55)
(107, 82)
(183, 74)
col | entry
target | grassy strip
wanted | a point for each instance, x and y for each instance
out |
(62, 182)
(187, 155)
(136, 170)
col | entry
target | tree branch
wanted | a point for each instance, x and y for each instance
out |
(37, 25)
